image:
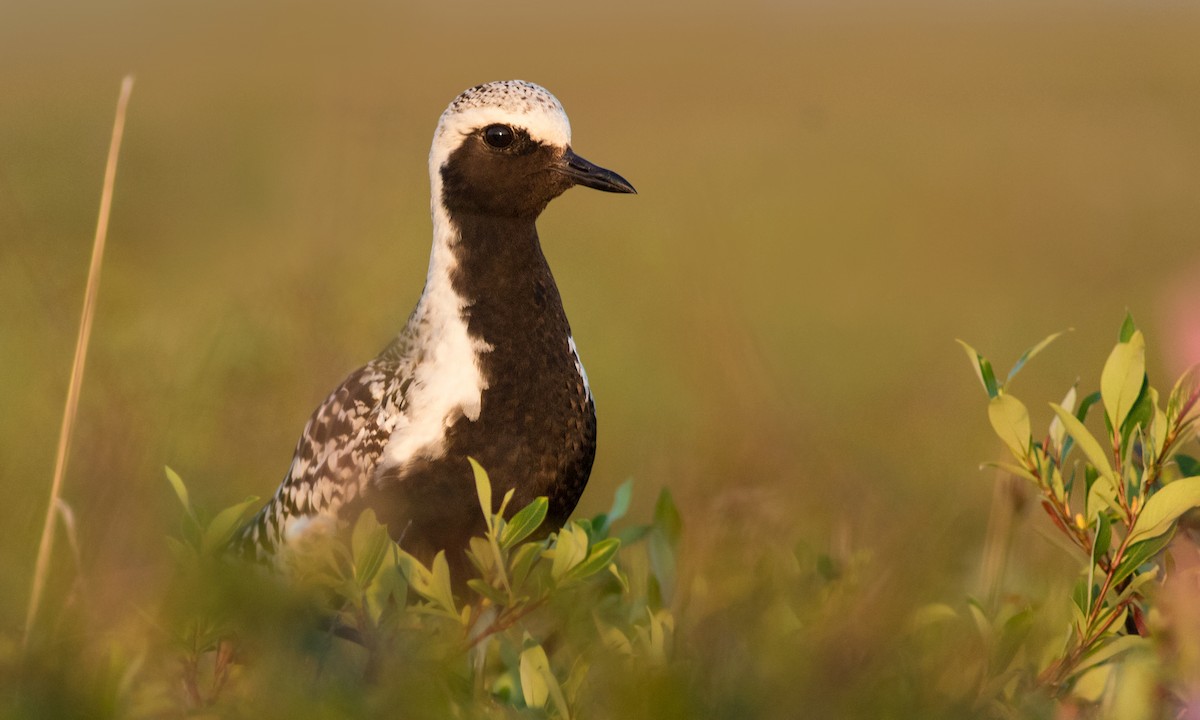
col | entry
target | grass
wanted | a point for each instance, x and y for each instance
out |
(55, 507)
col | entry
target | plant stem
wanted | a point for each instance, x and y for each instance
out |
(46, 544)
(504, 622)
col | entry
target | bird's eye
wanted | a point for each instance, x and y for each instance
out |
(498, 136)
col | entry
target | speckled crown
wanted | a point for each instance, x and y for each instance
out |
(517, 103)
(514, 96)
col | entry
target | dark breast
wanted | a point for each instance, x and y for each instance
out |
(536, 431)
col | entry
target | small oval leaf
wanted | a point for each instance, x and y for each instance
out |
(220, 531)
(1122, 379)
(598, 558)
(180, 489)
(1102, 495)
(569, 550)
(1139, 554)
(1164, 508)
(523, 524)
(534, 666)
(369, 543)
(483, 489)
(1010, 420)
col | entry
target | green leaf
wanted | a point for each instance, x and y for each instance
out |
(1114, 617)
(1127, 328)
(1011, 469)
(620, 506)
(1164, 507)
(479, 552)
(621, 500)
(1012, 638)
(620, 576)
(1142, 411)
(222, 528)
(1080, 414)
(666, 516)
(569, 550)
(930, 615)
(369, 543)
(633, 533)
(483, 490)
(1086, 405)
(1090, 446)
(388, 587)
(1028, 355)
(574, 683)
(1188, 465)
(983, 370)
(522, 562)
(1109, 650)
(1158, 427)
(534, 667)
(180, 489)
(1135, 584)
(599, 557)
(1103, 537)
(538, 684)
(982, 623)
(1056, 483)
(439, 586)
(1123, 377)
(661, 623)
(491, 593)
(662, 562)
(417, 575)
(524, 522)
(1139, 554)
(1057, 432)
(1091, 684)
(1182, 402)
(1010, 420)
(1080, 595)
(508, 496)
(1101, 496)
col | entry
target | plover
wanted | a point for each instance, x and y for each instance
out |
(485, 367)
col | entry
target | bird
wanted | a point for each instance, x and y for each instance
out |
(486, 367)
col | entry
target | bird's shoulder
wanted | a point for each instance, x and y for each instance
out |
(338, 450)
(343, 439)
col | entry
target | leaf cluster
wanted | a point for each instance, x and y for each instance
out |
(521, 633)
(1115, 494)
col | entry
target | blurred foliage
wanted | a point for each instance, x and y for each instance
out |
(591, 621)
(830, 192)
(1118, 506)
(355, 623)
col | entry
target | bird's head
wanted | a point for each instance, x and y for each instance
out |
(504, 149)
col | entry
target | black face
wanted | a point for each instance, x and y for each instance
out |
(499, 170)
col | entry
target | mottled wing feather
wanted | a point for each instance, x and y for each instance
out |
(336, 454)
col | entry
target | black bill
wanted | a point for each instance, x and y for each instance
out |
(591, 175)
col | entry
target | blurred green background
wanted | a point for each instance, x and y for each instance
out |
(830, 194)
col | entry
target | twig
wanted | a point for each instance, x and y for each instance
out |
(504, 622)
(46, 545)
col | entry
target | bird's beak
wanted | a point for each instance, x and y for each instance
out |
(589, 175)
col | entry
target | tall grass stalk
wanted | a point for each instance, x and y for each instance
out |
(998, 540)
(46, 545)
